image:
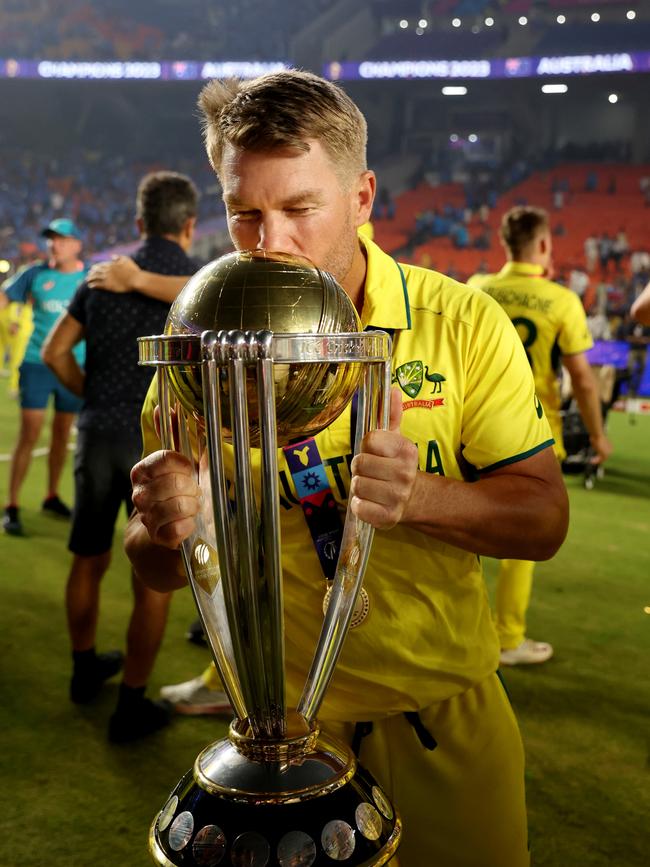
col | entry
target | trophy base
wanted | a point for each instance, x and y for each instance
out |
(307, 811)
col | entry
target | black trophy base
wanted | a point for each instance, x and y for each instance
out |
(237, 811)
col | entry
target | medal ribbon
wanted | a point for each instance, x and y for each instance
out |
(317, 501)
(315, 494)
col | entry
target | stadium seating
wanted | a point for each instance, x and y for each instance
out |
(583, 213)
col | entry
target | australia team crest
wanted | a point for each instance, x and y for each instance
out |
(411, 376)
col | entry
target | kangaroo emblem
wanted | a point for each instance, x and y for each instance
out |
(302, 454)
(436, 378)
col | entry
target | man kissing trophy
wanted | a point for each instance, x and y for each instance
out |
(262, 351)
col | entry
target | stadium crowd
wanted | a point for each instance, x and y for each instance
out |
(201, 30)
(121, 30)
(95, 189)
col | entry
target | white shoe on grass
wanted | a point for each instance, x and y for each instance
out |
(194, 698)
(529, 652)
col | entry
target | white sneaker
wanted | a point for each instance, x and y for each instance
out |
(193, 697)
(528, 652)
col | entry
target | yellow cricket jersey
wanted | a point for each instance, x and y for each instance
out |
(550, 320)
(469, 404)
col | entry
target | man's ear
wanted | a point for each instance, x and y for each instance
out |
(544, 243)
(189, 227)
(366, 189)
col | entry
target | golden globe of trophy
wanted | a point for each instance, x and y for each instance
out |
(261, 350)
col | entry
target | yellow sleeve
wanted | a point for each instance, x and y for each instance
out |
(503, 420)
(574, 336)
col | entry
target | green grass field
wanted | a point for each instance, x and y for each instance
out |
(69, 799)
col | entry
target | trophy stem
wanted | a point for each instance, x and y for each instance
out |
(373, 411)
(272, 599)
(248, 529)
(221, 517)
(251, 567)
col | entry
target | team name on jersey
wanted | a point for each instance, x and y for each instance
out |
(340, 481)
(337, 470)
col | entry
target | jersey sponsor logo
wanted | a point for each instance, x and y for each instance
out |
(50, 284)
(54, 305)
(411, 376)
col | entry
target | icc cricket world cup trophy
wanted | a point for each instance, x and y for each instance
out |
(261, 351)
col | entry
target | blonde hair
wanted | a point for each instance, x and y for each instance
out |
(520, 226)
(284, 110)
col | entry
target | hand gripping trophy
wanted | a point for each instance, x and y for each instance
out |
(261, 351)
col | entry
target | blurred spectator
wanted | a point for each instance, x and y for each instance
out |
(113, 388)
(48, 287)
(620, 248)
(460, 236)
(638, 336)
(599, 326)
(604, 251)
(641, 307)
(384, 206)
(578, 282)
(591, 254)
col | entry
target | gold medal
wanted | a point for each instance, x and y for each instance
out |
(361, 606)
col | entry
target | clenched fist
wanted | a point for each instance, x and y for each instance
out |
(384, 473)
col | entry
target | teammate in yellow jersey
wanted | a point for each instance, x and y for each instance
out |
(289, 149)
(15, 331)
(552, 325)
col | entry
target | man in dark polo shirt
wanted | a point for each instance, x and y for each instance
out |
(109, 442)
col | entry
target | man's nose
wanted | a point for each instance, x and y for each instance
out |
(274, 235)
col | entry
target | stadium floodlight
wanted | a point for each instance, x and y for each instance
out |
(4, 266)
(489, 22)
(456, 22)
(472, 138)
(454, 90)
(523, 20)
(453, 138)
(630, 14)
(419, 31)
(595, 16)
(423, 23)
(561, 19)
(613, 98)
(403, 24)
(554, 88)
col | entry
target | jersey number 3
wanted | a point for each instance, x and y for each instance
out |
(527, 331)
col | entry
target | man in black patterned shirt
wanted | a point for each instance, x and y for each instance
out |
(113, 387)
